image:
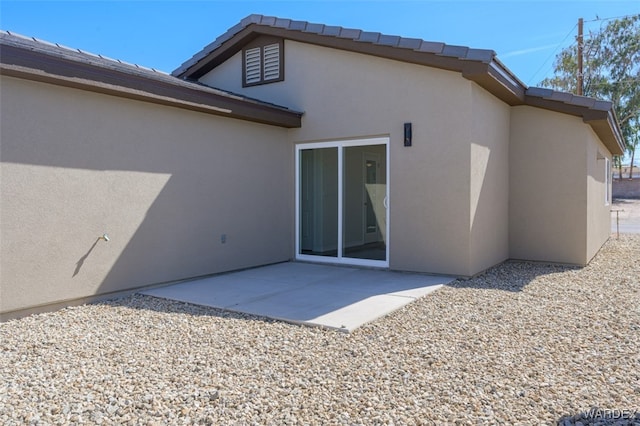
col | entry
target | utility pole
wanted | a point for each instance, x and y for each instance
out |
(580, 53)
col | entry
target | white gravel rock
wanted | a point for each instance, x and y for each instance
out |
(523, 343)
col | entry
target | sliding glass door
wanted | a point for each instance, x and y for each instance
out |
(342, 202)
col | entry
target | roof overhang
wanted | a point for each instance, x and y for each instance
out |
(478, 65)
(600, 115)
(149, 86)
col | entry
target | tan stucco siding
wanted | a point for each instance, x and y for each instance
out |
(547, 186)
(489, 182)
(157, 179)
(348, 95)
(598, 212)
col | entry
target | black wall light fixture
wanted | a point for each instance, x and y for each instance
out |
(407, 134)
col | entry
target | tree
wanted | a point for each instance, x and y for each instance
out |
(611, 69)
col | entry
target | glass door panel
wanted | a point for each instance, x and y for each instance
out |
(318, 231)
(364, 215)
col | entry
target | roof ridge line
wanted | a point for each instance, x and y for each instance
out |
(343, 31)
(354, 34)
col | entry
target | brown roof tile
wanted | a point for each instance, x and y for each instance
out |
(410, 43)
(480, 55)
(267, 20)
(369, 37)
(349, 33)
(583, 101)
(455, 51)
(314, 28)
(282, 23)
(388, 40)
(329, 30)
(560, 96)
(430, 47)
(298, 25)
(256, 19)
(602, 105)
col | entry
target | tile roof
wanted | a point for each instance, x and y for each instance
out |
(35, 59)
(479, 65)
(374, 38)
(569, 98)
(8, 38)
(599, 114)
(41, 61)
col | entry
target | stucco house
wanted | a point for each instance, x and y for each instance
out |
(287, 140)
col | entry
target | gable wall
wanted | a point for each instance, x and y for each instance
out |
(346, 95)
(157, 179)
(349, 95)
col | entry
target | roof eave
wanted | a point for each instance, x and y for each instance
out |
(602, 120)
(496, 79)
(479, 66)
(486, 70)
(37, 66)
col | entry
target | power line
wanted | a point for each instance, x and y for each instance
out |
(552, 53)
(567, 36)
(603, 20)
(612, 18)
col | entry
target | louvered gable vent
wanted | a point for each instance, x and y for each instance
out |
(253, 65)
(263, 61)
(272, 62)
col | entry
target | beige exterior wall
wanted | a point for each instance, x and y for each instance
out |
(548, 194)
(436, 224)
(157, 179)
(482, 182)
(598, 205)
(489, 182)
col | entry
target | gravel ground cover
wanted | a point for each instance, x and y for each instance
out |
(523, 343)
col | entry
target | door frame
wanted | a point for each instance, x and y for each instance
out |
(340, 145)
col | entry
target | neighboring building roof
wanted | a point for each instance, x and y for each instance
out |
(478, 65)
(41, 61)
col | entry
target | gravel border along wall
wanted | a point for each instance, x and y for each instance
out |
(522, 344)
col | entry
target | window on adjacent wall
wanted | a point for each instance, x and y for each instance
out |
(607, 181)
(263, 63)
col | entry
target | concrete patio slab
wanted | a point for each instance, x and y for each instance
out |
(336, 297)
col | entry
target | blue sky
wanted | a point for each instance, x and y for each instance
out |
(163, 34)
